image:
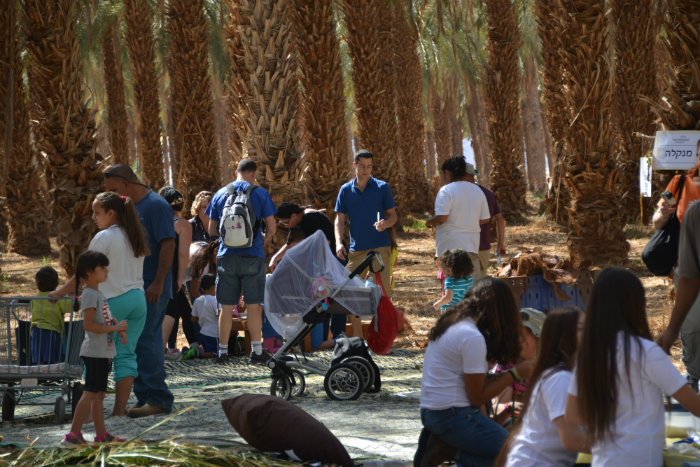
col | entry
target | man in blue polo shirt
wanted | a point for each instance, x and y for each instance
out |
(242, 270)
(369, 207)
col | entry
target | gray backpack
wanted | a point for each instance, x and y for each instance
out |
(239, 225)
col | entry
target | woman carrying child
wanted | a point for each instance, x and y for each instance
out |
(457, 268)
(469, 338)
(98, 347)
(620, 376)
(544, 437)
(121, 239)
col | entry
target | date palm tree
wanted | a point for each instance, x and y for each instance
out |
(635, 29)
(368, 24)
(117, 117)
(323, 130)
(191, 100)
(268, 90)
(141, 45)
(64, 128)
(595, 218)
(502, 111)
(25, 215)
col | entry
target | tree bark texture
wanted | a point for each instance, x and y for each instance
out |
(596, 224)
(141, 45)
(117, 118)
(502, 94)
(191, 98)
(64, 126)
(25, 215)
(323, 130)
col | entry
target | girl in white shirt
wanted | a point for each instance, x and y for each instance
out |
(121, 239)
(544, 437)
(616, 393)
(482, 329)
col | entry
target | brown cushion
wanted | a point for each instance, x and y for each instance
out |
(272, 424)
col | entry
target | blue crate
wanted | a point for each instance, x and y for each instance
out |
(539, 294)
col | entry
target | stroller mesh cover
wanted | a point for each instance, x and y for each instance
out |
(308, 274)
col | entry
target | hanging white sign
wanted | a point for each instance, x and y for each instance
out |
(675, 150)
(645, 177)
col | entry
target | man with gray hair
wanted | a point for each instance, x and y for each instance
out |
(156, 217)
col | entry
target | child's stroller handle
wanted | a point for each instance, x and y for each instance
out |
(368, 261)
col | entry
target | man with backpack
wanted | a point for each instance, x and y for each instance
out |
(238, 212)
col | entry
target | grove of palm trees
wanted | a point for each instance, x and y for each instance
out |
(182, 90)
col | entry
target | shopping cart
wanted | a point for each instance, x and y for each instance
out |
(41, 364)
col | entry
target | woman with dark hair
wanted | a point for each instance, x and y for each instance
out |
(616, 391)
(179, 305)
(544, 437)
(470, 337)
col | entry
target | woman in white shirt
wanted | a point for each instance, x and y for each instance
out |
(544, 437)
(481, 330)
(621, 375)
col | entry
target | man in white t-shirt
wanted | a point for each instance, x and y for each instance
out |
(460, 209)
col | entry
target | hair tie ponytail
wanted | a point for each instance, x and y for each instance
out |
(123, 199)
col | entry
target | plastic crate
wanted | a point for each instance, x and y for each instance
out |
(535, 292)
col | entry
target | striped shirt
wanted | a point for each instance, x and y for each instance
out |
(459, 287)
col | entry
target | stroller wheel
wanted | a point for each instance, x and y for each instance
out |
(281, 387)
(364, 368)
(298, 383)
(343, 382)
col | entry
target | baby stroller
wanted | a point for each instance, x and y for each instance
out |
(307, 287)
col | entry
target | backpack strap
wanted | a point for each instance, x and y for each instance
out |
(679, 188)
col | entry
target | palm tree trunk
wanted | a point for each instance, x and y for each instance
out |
(239, 82)
(117, 119)
(141, 45)
(476, 97)
(533, 130)
(369, 39)
(502, 91)
(430, 156)
(551, 22)
(441, 127)
(596, 225)
(269, 96)
(65, 129)
(452, 101)
(323, 129)
(25, 215)
(190, 91)
(409, 108)
(634, 87)
(679, 109)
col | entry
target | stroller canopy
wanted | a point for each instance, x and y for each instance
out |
(308, 274)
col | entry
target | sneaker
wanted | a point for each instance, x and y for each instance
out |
(107, 438)
(173, 354)
(223, 359)
(73, 439)
(263, 358)
(191, 353)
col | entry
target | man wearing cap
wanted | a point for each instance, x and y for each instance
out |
(241, 271)
(460, 209)
(496, 217)
(156, 217)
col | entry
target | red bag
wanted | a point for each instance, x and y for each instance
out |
(383, 328)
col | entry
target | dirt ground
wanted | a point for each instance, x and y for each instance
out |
(416, 285)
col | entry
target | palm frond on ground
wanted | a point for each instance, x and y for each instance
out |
(64, 126)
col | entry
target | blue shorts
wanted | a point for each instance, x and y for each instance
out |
(210, 344)
(45, 346)
(240, 275)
